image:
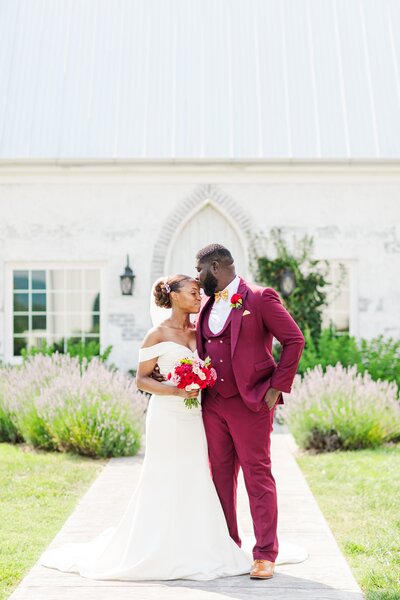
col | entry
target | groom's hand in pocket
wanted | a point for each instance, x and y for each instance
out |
(157, 375)
(271, 397)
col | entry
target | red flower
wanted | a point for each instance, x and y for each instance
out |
(187, 372)
(236, 301)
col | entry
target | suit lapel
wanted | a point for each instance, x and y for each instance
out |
(199, 327)
(237, 315)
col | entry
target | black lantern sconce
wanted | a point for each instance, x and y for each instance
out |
(287, 283)
(127, 279)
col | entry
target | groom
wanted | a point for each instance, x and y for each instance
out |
(235, 328)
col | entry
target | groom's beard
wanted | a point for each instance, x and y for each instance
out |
(210, 284)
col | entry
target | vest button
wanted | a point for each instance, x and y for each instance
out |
(222, 379)
(209, 341)
(220, 360)
(221, 341)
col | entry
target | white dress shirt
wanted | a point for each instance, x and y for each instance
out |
(220, 310)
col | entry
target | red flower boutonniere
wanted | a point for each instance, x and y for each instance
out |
(237, 301)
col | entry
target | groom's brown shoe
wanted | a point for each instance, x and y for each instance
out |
(262, 569)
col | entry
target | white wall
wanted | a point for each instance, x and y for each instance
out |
(99, 213)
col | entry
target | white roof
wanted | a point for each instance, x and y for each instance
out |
(200, 79)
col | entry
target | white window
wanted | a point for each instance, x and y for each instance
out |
(54, 305)
(338, 310)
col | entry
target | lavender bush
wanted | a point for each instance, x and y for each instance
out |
(59, 403)
(8, 429)
(342, 409)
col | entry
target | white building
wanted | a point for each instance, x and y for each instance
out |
(152, 128)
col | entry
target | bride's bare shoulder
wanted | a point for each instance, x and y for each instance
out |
(154, 336)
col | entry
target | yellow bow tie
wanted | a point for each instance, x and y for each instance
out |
(221, 295)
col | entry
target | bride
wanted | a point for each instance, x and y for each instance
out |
(174, 526)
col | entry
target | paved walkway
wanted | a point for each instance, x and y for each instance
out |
(325, 575)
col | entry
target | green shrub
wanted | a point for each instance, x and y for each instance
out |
(58, 403)
(332, 348)
(8, 429)
(341, 409)
(379, 357)
(74, 347)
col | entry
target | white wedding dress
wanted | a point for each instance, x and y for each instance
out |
(174, 526)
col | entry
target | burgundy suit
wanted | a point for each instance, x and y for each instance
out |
(237, 420)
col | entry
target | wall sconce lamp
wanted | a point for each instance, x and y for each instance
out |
(287, 283)
(127, 279)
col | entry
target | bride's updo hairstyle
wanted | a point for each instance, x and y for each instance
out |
(164, 286)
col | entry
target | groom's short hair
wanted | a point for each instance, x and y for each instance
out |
(215, 252)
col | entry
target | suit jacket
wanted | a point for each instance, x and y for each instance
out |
(253, 327)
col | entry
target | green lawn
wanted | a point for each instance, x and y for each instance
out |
(359, 494)
(38, 490)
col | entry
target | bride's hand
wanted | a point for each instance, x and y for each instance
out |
(185, 394)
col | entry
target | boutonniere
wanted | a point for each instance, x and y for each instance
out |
(237, 301)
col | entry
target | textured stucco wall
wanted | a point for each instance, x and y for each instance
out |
(98, 214)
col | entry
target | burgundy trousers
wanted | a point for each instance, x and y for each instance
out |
(238, 437)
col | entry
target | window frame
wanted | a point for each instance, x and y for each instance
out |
(352, 265)
(10, 267)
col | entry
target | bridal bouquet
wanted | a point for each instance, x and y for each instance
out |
(193, 374)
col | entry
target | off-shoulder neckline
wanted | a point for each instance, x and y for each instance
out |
(169, 342)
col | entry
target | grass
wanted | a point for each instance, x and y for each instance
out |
(38, 490)
(359, 494)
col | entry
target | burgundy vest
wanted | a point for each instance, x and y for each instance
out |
(218, 347)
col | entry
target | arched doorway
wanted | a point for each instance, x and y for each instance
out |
(206, 224)
(207, 215)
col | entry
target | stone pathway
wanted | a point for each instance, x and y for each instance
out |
(325, 575)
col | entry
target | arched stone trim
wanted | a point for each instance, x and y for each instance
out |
(202, 194)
